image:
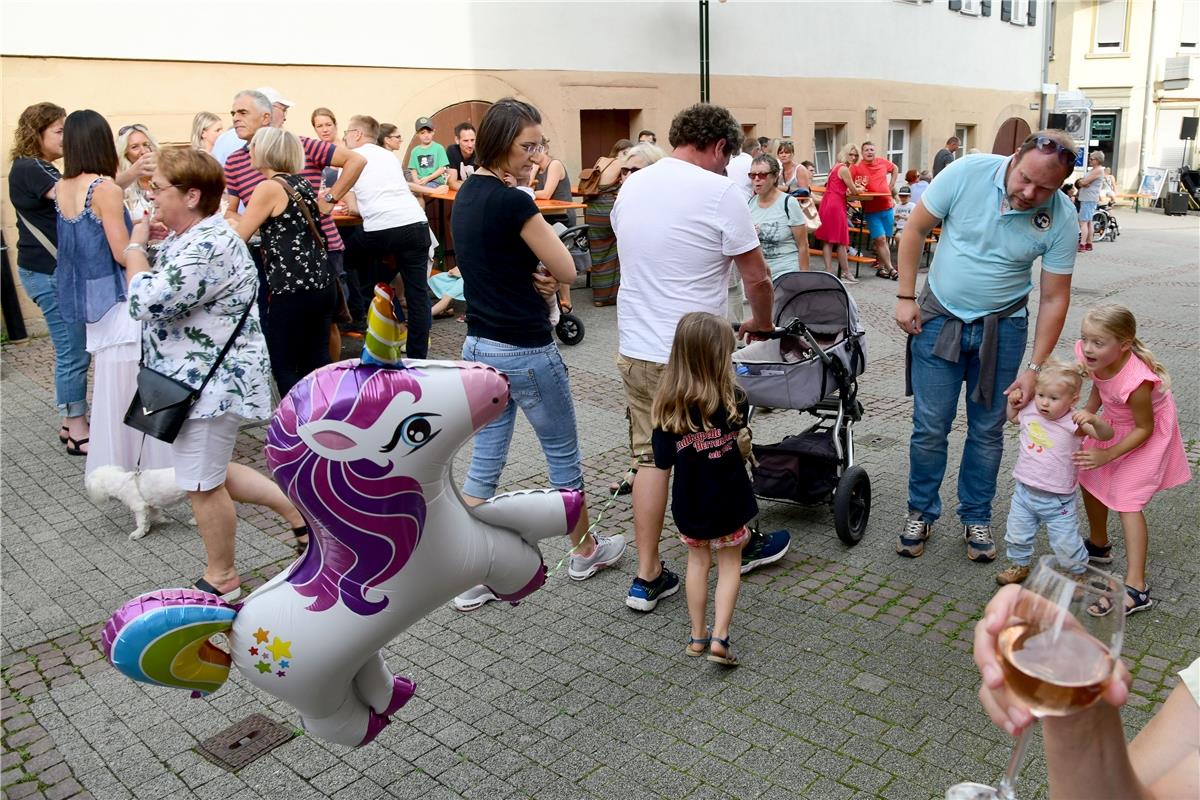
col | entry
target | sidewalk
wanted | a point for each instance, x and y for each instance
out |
(856, 682)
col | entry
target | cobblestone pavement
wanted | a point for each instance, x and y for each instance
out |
(856, 679)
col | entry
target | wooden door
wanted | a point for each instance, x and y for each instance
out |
(599, 129)
(1008, 139)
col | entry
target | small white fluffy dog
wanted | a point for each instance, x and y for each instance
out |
(146, 493)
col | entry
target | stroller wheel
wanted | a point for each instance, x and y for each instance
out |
(569, 329)
(852, 505)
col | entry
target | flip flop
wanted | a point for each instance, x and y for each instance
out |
(204, 586)
(75, 447)
(625, 486)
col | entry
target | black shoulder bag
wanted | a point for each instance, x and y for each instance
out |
(161, 404)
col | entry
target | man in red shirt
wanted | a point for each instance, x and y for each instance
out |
(873, 174)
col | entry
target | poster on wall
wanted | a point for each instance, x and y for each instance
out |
(1153, 179)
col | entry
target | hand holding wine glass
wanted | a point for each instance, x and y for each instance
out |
(1042, 654)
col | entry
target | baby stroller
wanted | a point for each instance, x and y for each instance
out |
(811, 364)
(570, 327)
(1104, 225)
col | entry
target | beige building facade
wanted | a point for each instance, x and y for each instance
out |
(1138, 62)
(797, 70)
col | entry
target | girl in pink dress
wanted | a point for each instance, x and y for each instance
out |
(1145, 454)
(835, 224)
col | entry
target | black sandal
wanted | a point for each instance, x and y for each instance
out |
(64, 433)
(296, 543)
(565, 308)
(625, 486)
(75, 447)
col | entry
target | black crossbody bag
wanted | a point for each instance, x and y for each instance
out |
(162, 404)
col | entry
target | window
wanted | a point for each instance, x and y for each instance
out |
(897, 144)
(824, 148)
(969, 7)
(1111, 20)
(966, 138)
(1189, 26)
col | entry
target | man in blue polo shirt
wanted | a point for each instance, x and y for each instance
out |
(969, 324)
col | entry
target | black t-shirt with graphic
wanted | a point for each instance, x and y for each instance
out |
(28, 181)
(712, 496)
(457, 162)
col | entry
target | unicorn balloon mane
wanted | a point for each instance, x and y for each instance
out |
(364, 450)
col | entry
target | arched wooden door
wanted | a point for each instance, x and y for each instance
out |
(1014, 131)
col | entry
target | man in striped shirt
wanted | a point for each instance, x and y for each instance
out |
(251, 111)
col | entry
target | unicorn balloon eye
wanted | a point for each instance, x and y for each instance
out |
(415, 430)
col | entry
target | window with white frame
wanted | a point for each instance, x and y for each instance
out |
(897, 144)
(1111, 22)
(966, 137)
(1189, 26)
(970, 7)
(1020, 12)
(824, 148)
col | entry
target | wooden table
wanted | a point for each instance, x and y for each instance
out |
(544, 206)
(1137, 200)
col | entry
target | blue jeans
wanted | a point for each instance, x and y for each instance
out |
(538, 384)
(1032, 507)
(937, 385)
(71, 357)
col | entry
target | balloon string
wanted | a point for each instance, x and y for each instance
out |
(592, 527)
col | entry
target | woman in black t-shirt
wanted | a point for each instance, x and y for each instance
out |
(31, 187)
(300, 308)
(499, 239)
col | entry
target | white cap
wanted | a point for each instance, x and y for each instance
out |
(275, 97)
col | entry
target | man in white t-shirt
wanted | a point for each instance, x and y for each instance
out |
(738, 170)
(394, 224)
(681, 227)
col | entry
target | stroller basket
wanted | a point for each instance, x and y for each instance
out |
(802, 469)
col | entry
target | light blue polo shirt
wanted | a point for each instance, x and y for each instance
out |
(984, 258)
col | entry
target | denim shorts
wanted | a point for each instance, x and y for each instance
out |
(1087, 210)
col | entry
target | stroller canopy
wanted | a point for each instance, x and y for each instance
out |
(819, 300)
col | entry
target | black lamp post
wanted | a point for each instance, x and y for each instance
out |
(704, 77)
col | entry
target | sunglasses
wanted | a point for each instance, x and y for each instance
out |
(1044, 144)
(629, 170)
(764, 175)
(137, 126)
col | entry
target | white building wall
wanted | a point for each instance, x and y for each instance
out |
(848, 39)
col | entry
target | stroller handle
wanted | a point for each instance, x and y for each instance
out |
(793, 328)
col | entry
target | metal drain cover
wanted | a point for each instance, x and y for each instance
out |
(244, 742)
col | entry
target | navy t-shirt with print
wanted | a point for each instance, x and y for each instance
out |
(712, 496)
(28, 181)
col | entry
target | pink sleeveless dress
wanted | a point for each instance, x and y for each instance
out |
(835, 225)
(1128, 483)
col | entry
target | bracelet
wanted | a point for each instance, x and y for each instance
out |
(135, 246)
(906, 297)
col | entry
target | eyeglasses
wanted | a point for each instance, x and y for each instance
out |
(533, 148)
(629, 170)
(393, 136)
(154, 187)
(1044, 144)
(763, 175)
(137, 126)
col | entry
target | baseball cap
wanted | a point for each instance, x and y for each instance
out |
(905, 190)
(424, 122)
(275, 97)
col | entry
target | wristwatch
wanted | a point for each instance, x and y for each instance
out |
(329, 198)
(1033, 367)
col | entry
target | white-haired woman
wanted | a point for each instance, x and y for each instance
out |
(300, 308)
(206, 127)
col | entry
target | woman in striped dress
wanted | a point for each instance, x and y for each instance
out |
(606, 268)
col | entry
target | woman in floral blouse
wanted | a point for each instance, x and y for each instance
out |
(191, 304)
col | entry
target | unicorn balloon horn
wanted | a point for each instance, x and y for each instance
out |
(387, 334)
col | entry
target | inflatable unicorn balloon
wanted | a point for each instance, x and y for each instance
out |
(364, 451)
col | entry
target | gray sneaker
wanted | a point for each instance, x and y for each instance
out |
(609, 550)
(912, 539)
(980, 546)
(473, 598)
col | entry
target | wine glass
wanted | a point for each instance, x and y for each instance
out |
(1055, 654)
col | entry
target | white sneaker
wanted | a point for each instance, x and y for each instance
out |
(473, 598)
(609, 550)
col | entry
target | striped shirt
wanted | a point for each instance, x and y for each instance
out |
(241, 178)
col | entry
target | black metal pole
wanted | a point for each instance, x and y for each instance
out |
(704, 85)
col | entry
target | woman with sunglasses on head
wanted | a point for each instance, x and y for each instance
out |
(835, 220)
(93, 243)
(32, 185)
(602, 242)
(136, 150)
(500, 238)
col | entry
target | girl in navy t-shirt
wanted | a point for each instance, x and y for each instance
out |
(697, 414)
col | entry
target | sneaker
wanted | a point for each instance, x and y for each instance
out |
(980, 546)
(644, 595)
(609, 550)
(912, 539)
(473, 598)
(1016, 573)
(1098, 554)
(764, 548)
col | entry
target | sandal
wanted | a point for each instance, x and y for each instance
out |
(729, 659)
(849, 279)
(625, 485)
(565, 308)
(1141, 602)
(445, 313)
(204, 586)
(704, 643)
(75, 447)
(296, 543)
(880, 272)
(64, 433)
